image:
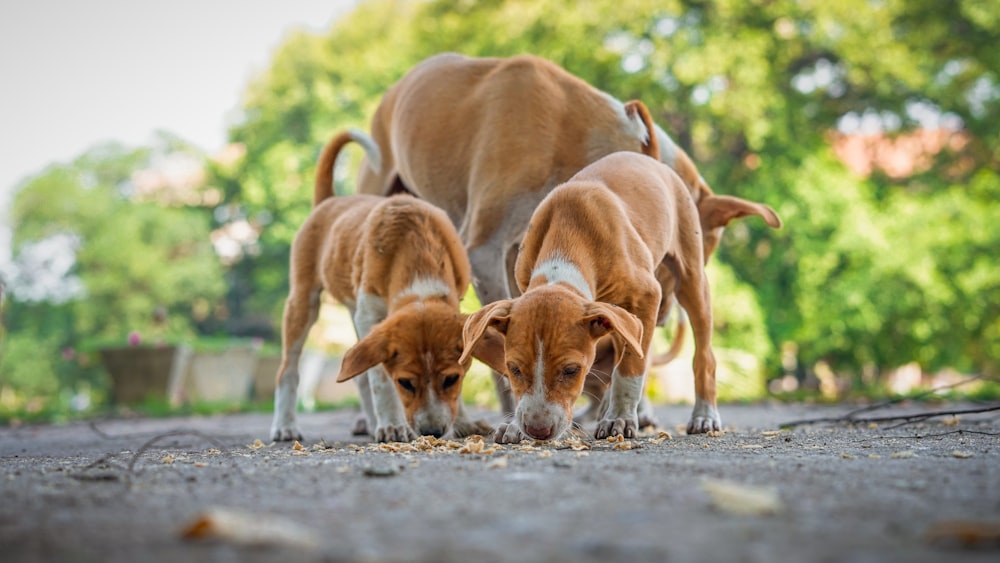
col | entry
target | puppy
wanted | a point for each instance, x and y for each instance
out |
(587, 269)
(400, 268)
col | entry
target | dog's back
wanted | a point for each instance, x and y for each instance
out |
(626, 210)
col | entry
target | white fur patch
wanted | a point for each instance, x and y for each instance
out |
(370, 147)
(422, 288)
(370, 311)
(633, 124)
(668, 148)
(388, 407)
(560, 270)
(625, 395)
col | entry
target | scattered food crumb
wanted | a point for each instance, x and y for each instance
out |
(297, 446)
(257, 444)
(846, 455)
(962, 455)
(167, 459)
(952, 421)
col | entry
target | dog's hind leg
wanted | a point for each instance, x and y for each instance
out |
(693, 295)
(301, 310)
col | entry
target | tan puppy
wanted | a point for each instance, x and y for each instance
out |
(398, 265)
(587, 268)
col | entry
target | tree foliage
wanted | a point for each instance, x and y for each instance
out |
(868, 271)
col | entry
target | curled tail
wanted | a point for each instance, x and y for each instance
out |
(678, 341)
(328, 158)
(650, 145)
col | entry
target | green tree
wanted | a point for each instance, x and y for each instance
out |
(93, 262)
(868, 271)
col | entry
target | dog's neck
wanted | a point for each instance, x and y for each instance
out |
(424, 289)
(557, 269)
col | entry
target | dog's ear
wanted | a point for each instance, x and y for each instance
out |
(490, 350)
(369, 352)
(602, 318)
(496, 315)
(719, 210)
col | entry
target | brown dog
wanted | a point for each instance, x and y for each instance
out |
(587, 268)
(486, 138)
(398, 265)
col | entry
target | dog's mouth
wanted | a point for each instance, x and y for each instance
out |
(542, 427)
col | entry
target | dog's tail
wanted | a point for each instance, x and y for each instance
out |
(328, 159)
(678, 342)
(650, 144)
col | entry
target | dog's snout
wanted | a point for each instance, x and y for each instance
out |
(435, 432)
(539, 432)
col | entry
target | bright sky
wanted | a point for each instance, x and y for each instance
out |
(76, 74)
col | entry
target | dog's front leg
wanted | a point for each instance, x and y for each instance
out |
(627, 383)
(391, 425)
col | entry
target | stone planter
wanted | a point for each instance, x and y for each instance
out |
(226, 376)
(141, 373)
(264, 377)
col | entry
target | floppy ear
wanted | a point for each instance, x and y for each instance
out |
(719, 210)
(369, 352)
(603, 318)
(495, 315)
(490, 350)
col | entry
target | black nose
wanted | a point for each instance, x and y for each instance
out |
(435, 432)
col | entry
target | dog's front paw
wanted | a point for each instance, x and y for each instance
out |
(616, 427)
(704, 424)
(507, 434)
(463, 428)
(286, 433)
(705, 418)
(397, 433)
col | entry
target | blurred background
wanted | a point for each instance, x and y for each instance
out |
(132, 261)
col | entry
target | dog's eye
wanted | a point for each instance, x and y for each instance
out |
(449, 381)
(571, 371)
(514, 370)
(408, 385)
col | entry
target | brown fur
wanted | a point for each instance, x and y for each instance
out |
(616, 221)
(367, 245)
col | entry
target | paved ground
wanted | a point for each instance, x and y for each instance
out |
(103, 492)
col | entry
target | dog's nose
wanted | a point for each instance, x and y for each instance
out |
(539, 432)
(435, 432)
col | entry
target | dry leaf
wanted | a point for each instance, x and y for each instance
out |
(966, 533)
(248, 528)
(736, 498)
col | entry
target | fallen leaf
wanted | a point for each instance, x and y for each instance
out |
(249, 528)
(736, 498)
(964, 533)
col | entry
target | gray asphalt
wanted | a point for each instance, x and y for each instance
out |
(135, 489)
